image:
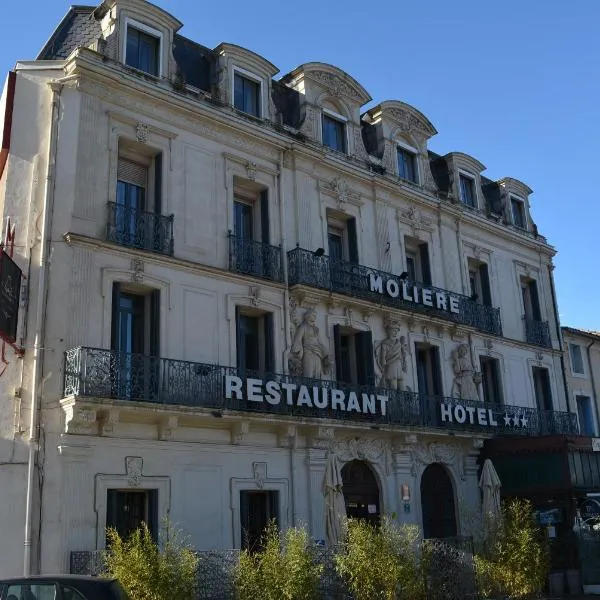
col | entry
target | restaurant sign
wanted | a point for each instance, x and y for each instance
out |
(10, 286)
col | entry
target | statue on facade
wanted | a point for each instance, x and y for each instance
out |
(390, 356)
(307, 349)
(465, 377)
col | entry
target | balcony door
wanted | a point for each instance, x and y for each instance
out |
(353, 356)
(257, 509)
(428, 370)
(135, 343)
(132, 183)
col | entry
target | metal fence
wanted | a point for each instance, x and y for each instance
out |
(255, 258)
(537, 332)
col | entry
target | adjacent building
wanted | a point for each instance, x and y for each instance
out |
(231, 278)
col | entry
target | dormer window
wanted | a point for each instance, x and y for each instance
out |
(407, 164)
(333, 131)
(467, 190)
(246, 93)
(517, 208)
(142, 48)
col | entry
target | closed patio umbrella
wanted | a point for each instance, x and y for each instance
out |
(335, 507)
(489, 482)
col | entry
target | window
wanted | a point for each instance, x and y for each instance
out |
(479, 281)
(334, 132)
(417, 261)
(467, 191)
(254, 336)
(407, 165)
(531, 301)
(126, 510)
(518, 213)
(142, 51)
(429, 375)
(576, 359)
(30, 591)
(68, 593)
(257, 509)
(353, 356)
(490, 380)
(246, 95)
(541, 385)
(585, 412)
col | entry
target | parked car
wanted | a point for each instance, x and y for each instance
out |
(61, 587)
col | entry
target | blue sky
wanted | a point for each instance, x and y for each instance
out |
(516, 84)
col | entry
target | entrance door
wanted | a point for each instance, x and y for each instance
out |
(257, 509)
(437, 503)
(361, 492)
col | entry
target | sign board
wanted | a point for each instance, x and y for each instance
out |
(10, 290)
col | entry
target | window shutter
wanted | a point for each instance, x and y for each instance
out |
(497, 382)
(547, 390)
(436, 371)
(153, 513)
(535, 300)
(274, 506)
(116, 300)
(244, 520)
(112, 498)
(155, 323)
(239, 341)
(485, 285)
(365, 369)
(337, 342)
(158, 165)
(131, 172)
(264, 216)
(269, 343)
(352, 241)
(425, 268)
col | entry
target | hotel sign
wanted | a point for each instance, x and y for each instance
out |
(397, 288)
(481, 416)
(275, 393)
(10, 286)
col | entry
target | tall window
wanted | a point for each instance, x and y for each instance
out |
(429, 374)
(257, 509)
(541, 385)
(407, 165)
(531, 302)
(334, 133)
(518, 213)
(576, 359)
(353, 356)
(341, 238)
(467, 191)
(142, 51)
(246, 95)
(126, 510)
(491, 381)
(585, 412)
(254, 336)
(479, 280)
(417, 261)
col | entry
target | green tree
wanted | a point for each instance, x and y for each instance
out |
(151, 571)
(283, 570)
(513, 558)
(381, 562)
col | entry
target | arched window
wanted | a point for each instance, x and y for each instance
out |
(361, 492)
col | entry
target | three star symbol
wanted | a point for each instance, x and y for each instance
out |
(515, 420)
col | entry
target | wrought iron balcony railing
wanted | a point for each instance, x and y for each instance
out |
(255, 258)
(366, 283)
(140, 229)
(537, 332)
(97, 373)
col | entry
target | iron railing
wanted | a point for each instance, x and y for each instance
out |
(342, 277)
(537, 332)
(140, 229)
(98, 373)
(255, 258)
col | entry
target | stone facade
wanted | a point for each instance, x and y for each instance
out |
(76, 122)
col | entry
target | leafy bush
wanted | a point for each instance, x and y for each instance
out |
(149, 571)
(282, 570)
(381, 562)
(514, 559)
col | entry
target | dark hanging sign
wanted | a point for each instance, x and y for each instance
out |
(10, 289)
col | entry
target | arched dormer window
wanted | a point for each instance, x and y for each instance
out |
(408, 165)
(334, 133)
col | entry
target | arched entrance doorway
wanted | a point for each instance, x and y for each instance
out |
(437, 503)
(361, 492)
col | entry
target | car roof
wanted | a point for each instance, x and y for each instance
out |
(60, 578)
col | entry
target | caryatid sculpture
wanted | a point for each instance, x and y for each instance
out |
(390, 356)
(465, 377)
(308, 349)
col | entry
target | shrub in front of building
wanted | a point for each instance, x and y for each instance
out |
(513, 557)
(381, 562)
(283, 569)
(151, 571)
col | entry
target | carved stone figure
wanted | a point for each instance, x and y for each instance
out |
(390, 356)
(465, 378)
(308, 349)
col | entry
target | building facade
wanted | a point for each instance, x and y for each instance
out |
(231, 278)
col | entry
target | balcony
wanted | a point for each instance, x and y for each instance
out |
(366, 283)
(537, 332)
(140, 229)
(255, 258)
(105, 374)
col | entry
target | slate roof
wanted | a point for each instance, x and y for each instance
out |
(78, 28)
(195, 62)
